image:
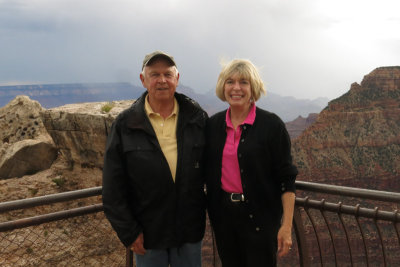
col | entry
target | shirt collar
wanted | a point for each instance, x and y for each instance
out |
(150, 111)
(249, 119)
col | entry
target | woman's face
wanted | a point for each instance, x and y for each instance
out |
(237, 91)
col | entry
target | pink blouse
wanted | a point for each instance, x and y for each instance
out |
(230, 178)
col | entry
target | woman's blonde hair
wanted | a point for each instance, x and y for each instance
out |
(246, 70)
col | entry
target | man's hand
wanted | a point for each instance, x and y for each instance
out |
(137, 246)
(284, 241)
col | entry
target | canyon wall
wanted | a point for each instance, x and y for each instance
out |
(355, 140)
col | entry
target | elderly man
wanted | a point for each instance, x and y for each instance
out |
(153, 191)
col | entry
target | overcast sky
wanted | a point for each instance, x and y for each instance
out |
(303, 48)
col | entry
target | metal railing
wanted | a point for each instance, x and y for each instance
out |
(337, 234)
(76, 234)
(326, 233)
(46, 200)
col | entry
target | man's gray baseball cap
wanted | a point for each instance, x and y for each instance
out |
(156, 54)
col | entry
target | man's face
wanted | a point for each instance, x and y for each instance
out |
(160, 79)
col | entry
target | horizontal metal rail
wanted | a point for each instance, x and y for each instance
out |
(300, 185)
(49, 199)
(50, 217)
(349, 191)
(350, 210)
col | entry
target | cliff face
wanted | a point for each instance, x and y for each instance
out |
(355, 141)
(79, 131)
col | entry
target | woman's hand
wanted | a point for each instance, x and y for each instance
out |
(284, 240)
(285, 232)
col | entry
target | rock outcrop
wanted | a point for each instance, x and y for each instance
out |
(355, 141)
(25, 146)
(79, 131)
(32, 136)
(297, 126)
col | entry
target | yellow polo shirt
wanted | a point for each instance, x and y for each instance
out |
(166, 133)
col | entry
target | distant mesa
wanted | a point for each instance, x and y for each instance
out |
(54, 95)
(297, 126)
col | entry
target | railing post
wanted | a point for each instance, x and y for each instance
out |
(129, 257)
(301, 238)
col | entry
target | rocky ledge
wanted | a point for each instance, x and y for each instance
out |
(32, 136)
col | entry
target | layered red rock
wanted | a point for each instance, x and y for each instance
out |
(297, 126)
(355, 140)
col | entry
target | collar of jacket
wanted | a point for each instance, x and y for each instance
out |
(189, 112)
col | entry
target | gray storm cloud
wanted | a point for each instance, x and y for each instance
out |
(305, 49)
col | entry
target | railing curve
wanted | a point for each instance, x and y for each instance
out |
(357, 236)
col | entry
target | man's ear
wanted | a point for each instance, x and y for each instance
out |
(141, 78)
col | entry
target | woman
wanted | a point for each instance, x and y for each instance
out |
(250, 175)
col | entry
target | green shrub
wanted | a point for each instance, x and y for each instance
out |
(60, 181)
(107, 107)
(33, 191)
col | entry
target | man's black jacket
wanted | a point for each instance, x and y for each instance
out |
(139, 194)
